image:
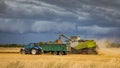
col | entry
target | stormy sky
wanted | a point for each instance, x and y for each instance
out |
(27, 21)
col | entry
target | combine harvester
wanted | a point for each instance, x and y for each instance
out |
(72, 45)
(79, 46)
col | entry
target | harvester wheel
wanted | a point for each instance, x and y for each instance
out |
(92, 51)
(95, 52)
(84, 51)
(34, 51)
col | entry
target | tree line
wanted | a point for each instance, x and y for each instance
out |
(112, 45)
(11, 45)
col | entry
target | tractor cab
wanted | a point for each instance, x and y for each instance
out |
(31, 45)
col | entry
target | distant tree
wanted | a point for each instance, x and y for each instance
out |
(11, 45)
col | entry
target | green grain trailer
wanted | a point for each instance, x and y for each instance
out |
(55, 48)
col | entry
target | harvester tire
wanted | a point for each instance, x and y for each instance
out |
(92, 51)
(95, 53)
(84, 51)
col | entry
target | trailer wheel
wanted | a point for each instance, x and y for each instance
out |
(52, 52)
(61, 53)
(34, 51)
(55, 53)
(64, 53)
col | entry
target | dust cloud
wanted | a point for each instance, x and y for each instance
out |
(103, 47)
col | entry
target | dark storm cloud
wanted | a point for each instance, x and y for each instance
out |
(24, 26)
(96, 16)
(33, 9)
(15, 25)
(2, 6)
(100, 12)
(103, 11)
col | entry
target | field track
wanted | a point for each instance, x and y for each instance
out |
(11, 58)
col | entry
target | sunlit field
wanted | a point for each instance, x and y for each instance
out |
(9, 58)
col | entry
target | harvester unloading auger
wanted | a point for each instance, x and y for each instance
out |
(59, 40)
(79, 46)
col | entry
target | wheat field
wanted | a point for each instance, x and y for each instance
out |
(16, 60)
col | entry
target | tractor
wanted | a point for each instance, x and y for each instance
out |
(31, 48)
